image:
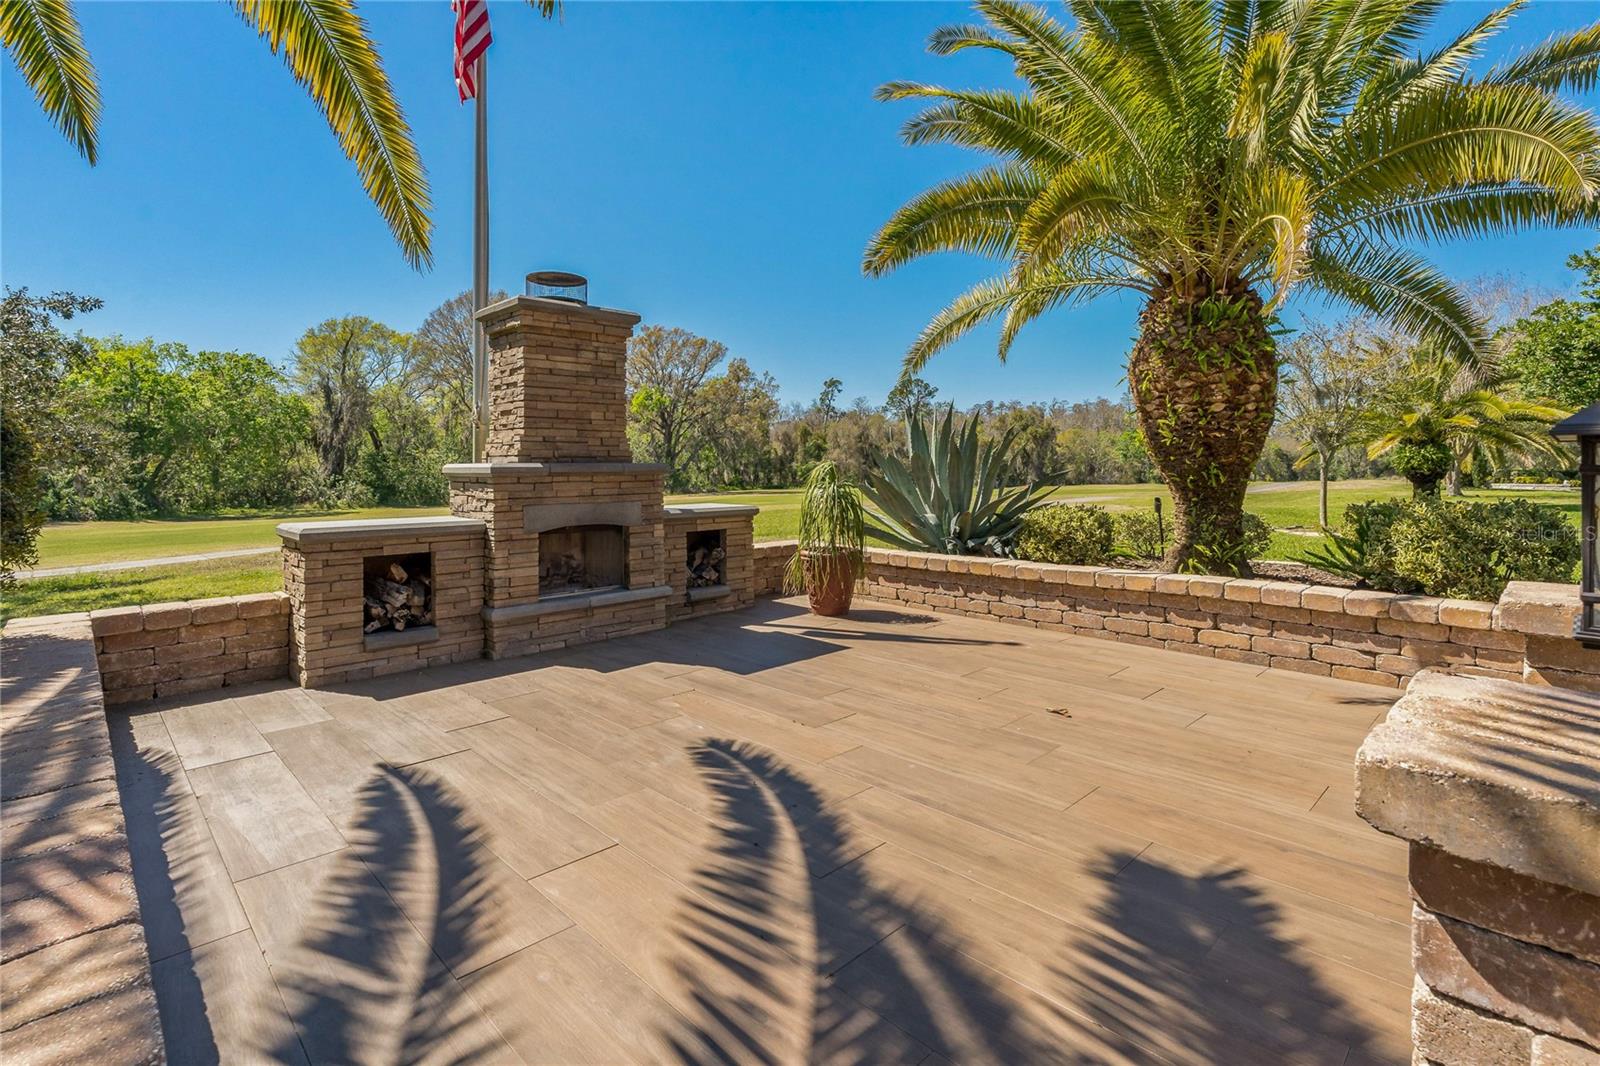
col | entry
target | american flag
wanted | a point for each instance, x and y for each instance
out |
(472, 38)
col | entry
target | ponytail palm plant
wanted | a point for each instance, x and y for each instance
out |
(1436, 414)
(1213, 157)
(326, 47)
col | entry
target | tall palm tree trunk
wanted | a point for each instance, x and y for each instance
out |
(1204, 376)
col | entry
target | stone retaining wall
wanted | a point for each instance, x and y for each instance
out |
(1494, 786)
(167, 649)
(771, 557)
(1357, 635)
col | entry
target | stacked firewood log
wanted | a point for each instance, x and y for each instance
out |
(705, 566)
(396, 599)
(563, 570)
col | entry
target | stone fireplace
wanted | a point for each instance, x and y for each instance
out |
(557, 539)
(574, 529)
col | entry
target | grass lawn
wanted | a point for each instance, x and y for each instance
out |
(79, 543)
(1289, 507)
(156, 584)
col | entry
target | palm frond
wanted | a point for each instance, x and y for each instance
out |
(1053, 61)
(326, 47)
(1474, 210)
(975, 213)
(1570, 61)
(1400, 287)
(1446, 65)
(1462, 134)
(1002, 122)
(44, 41)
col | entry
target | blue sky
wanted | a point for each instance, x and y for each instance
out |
(717, 166)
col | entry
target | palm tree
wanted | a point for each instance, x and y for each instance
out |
(1437, 414)
(1215, 156)
(326, 47)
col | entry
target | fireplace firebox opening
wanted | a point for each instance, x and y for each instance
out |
(397, 592)
(707, 552)
(582, 559)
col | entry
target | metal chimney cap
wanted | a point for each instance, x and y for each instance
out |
(558, 285)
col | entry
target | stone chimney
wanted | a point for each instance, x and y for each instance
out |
(557, 381)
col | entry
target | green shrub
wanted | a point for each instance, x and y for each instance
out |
(1471, 550)
(1364, 550)
(1139, 534)
(1077, 533)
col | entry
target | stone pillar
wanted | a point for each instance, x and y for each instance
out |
(1496, 785)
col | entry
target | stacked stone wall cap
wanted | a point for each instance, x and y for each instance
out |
(1538, 608)
(1496, 771)
(377, 528)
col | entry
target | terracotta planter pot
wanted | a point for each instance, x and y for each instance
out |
(830, 584)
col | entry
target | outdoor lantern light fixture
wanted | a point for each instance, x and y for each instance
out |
(558, 285)
(1584, 428)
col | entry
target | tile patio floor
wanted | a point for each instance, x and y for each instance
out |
(768, 837)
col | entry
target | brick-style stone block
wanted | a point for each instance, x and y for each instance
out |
(1216, 638)
(1324, 598)
(1300, 666)
(1282, 593)
(1244, 590)
(1368, 602)
(1450, 1033)
(1468, 614)
(127, 660)
(220, 609)
(1553, 1051)
(1546, 989)
(180, 653)
(1537, 608)
(1497, 899)
(263, 605)
(1336, 656)
(167, 616)
(110, 620)
(1414, 609)
(1293, 649)
(1208, 587)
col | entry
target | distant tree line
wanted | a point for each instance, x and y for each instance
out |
(362, 414)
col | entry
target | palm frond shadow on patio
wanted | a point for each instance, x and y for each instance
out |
(365, 981)
(1153, 982)
(760, 939)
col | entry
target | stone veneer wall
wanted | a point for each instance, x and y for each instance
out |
(738, 569)
(75, 983)
(771, 557)
(1356, 635)
(323, 574)
(167, 649)
(1496, 786)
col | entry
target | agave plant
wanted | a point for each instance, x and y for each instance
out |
(950, 497)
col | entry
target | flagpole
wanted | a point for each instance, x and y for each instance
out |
(480, 262)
